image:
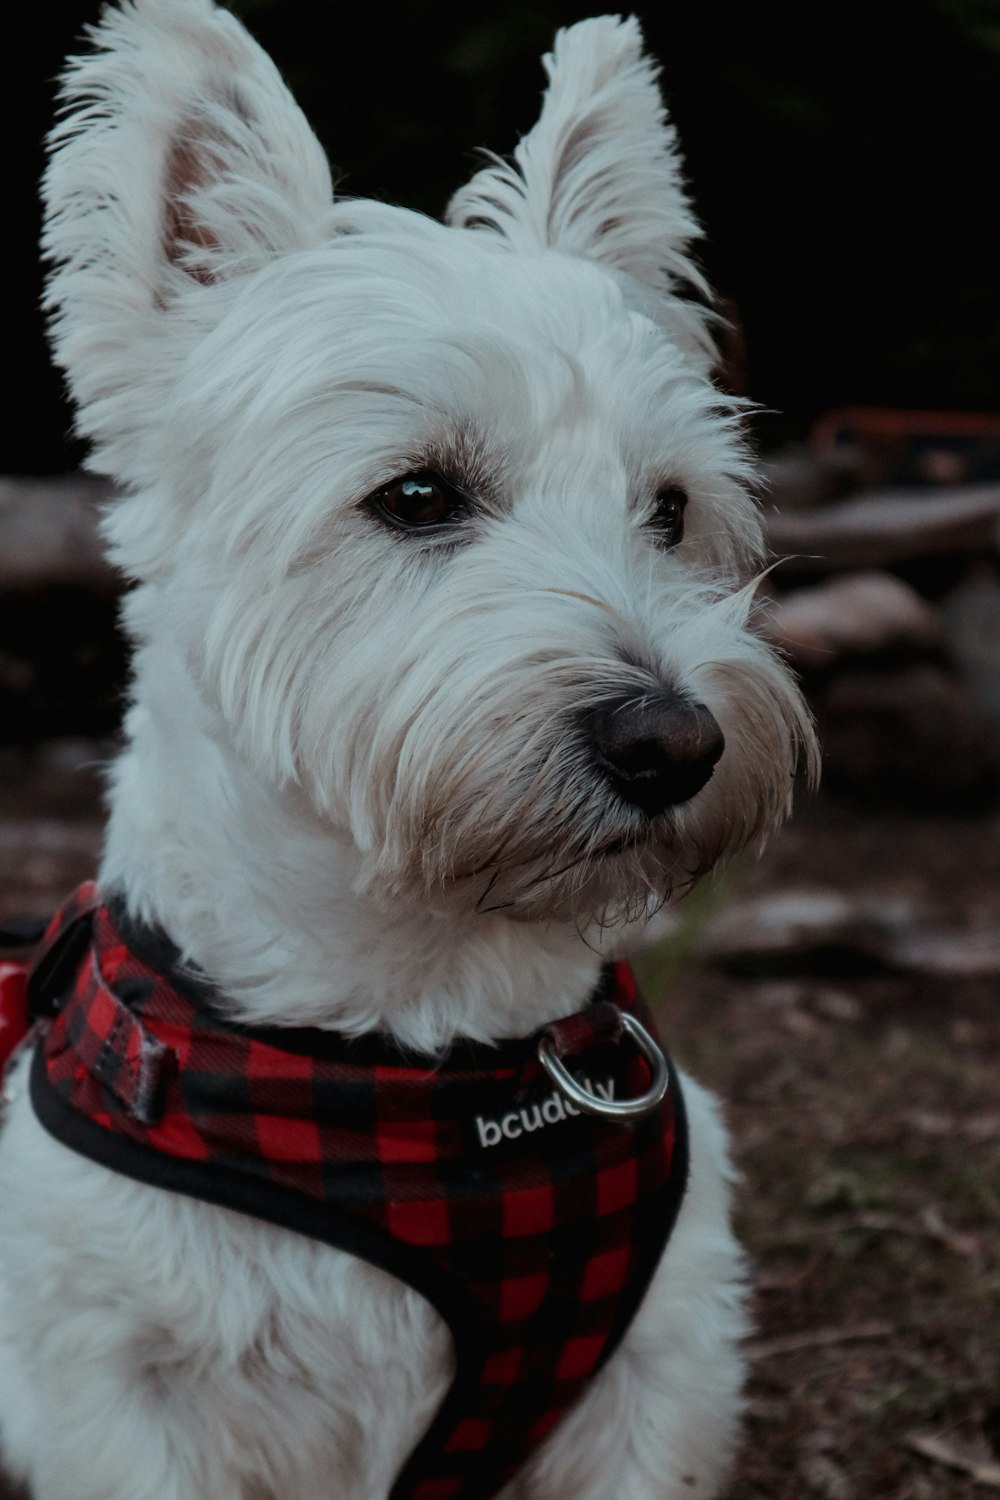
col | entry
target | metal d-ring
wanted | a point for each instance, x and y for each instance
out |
(611, 1109)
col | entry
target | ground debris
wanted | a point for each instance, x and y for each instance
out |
(817, 1338)
(867, 1145)
(824, 1476)
(930, 1225)
(944, 1451)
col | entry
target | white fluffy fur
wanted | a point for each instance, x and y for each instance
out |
(355, 791)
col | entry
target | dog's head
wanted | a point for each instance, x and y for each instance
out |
(448, 522)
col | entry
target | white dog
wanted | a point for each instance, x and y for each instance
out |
(445, 675)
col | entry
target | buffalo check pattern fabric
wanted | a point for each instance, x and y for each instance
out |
(532, 1228)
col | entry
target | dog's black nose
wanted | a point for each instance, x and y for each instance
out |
(656, 751)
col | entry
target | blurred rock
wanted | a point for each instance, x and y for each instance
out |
(862, 614)
(825, 931)
(62, 657)
(884, 528)
(812, 931)
(971, 616)
(824, 1476)
(51, 824)
(48, 534)
(913, 735)
(796, 477)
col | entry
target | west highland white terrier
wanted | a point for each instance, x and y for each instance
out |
(342, 1159)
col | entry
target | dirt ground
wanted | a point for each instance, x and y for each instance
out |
(863, 1094)
(865, 1111)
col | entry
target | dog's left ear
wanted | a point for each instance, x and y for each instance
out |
(599, 176)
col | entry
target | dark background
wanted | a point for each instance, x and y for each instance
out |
(842, 158)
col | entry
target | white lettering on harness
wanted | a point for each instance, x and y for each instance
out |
(550, 1111)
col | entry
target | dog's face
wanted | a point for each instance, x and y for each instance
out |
(449, 522)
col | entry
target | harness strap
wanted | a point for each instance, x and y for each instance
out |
(596, 1026)
(64, 942)
(108, 1039)
(532, 1228)
(115, 1047)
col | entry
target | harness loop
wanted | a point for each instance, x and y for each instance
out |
(593, 1104)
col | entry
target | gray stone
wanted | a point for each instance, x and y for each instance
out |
(48, 534)
(885, 527)
(861, 614)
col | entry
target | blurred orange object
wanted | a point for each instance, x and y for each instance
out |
(913, 448)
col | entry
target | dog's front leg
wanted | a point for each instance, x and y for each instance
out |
(153, 1347)
(660, 1420)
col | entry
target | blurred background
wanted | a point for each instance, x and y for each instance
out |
(841, 995)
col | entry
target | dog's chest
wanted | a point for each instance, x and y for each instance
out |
(306, 1370)
(324, 1370)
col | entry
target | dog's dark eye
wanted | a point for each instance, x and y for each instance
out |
(418, 502)
(668, 517)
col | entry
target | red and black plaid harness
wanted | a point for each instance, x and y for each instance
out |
(533, 1229)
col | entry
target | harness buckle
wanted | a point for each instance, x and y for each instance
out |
(610, 1109)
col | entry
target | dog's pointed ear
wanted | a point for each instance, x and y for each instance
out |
(599, 175)
(180, 162)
